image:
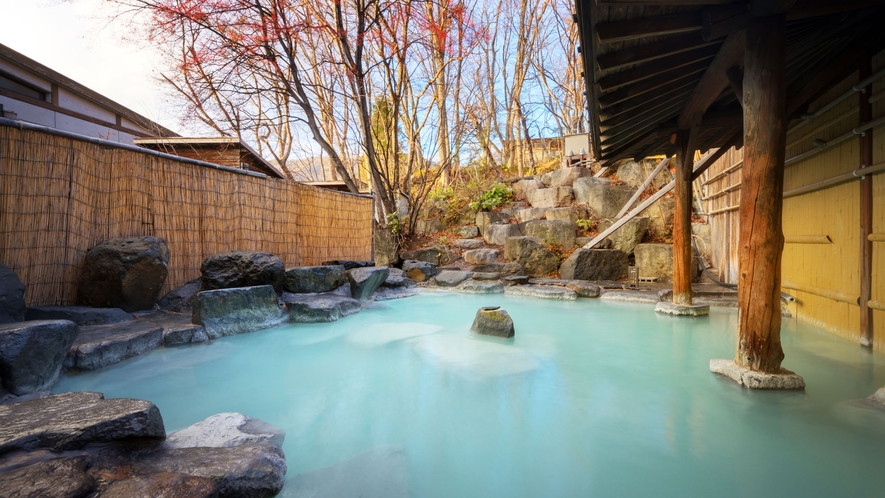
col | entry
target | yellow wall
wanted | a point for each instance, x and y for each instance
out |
(834, 212)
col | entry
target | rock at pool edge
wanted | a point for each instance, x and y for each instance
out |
(493, 321)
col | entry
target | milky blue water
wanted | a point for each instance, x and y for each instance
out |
(589, 399)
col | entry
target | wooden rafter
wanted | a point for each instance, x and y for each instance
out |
(714, 80)
(651, 51)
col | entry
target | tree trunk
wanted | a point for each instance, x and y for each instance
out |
(762, 183)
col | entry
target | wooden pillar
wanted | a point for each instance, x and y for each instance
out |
(682, 217)
(866, 212)
(761, 239)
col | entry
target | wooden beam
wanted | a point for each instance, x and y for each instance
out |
(761, 238)
(682, 269)
(736, 79)
(804, 9)
(866, 208)
(762, 8)
(642, 125)
(651, 51)
(720, 29)
(648, 26)
(663, 164)
(609, 118)
(819, 77)
(713, 81)
(708, 161)
(671, 67)
(658, 84)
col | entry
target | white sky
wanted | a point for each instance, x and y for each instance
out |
(77, 39)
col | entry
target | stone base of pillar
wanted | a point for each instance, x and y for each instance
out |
(878, 399)
(785, 380)
(669, 308)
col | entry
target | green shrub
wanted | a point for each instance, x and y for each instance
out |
(497, 195)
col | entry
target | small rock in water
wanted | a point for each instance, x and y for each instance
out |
(492, 320)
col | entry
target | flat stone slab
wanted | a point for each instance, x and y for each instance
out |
(162, 485)
(389, 293)
(315, 308)
(469, 244)
(102, 345)
(450, 278)
(62, 477)
(541, 291)
(480, 287)
(177, 327)
(629, 296)
(786, 380)
(81, 315)
(582, 287)
(225, 430)
(668, 308)
(247, 470)
(72, 420)
(485, 275)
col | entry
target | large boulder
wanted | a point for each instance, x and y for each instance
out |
(61, 477)
(81, 315)
(249, 470)
(12, 296)
(102, 345)
(595, 264)
(225, 430)
(429, 226)
(162, 485)
(628, 236)
(419, 271)
(603, 198)
(436, 255)
(32, 354)
(502, 269)
(522, 188)
(397, 278)
(493, 321)
(228, 270)
(565, 177)
(634, 173)
(481, 256)
(126, 273)
(529, 214)
(182, 298)
(224, 312)
(486, 218)
(313, 308)
(70, 421)
(570, 213)
(660, 215)
(497, 235)
(450, 278)
(531, 255)
(552, 232)
(468, 232)
(314, 278)
(550, 197)
(656, 261)
(364, 281)
(386, 247)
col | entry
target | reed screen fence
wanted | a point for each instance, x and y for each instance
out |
(60, 196)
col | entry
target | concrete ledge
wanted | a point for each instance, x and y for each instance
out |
(681, 309)
(785, 380)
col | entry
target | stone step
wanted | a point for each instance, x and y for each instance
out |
(71, 420)
(314, 308)
(102, 345)
(81, 315)
(177, 327)
(541, 291)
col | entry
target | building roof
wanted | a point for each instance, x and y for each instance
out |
(654, 66)
(176, 144)
(72, 86)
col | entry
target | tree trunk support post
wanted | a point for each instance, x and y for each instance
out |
(682, 217)
(866, 210)
(761, 239)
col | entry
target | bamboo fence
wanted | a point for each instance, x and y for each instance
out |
(60, 196)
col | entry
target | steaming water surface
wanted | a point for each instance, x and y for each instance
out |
(589, 399)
